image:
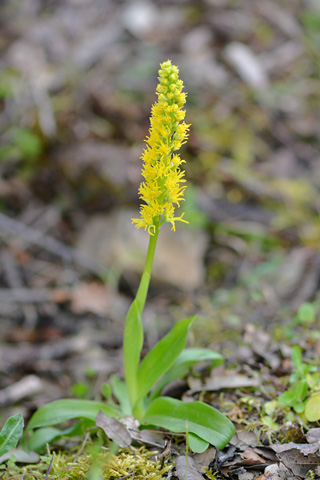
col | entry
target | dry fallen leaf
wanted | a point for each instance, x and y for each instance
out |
(153, 438)
(114, 429)
(276, 471)
(247, 458)
(313, 435)
(279, 471)
(186, 469)
(298, 458)
(244, 437)
(203, 460)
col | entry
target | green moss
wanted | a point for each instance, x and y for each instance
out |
(136, 462)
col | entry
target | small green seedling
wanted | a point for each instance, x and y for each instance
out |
(11, 433)
(303, 380)
(140, 394)
(305, 316)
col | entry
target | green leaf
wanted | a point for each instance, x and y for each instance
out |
(311, 21)
(11, 433)
(306, 313)
(266, 420)
(303, 389)
(40, 437)
(162, 356)
(182, 365)
(296, 357)
(80, 389)
(106, 391)
(287, 399)
(27, 141)
(120, 391)
(203, 420)
(197, 444)
(299, 407)
(61, 410)
(312, 410)
(132, 345)
(296, 394)
(313, 379)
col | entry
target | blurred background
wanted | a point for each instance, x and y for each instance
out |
(77, 81)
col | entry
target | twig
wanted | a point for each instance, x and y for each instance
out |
(87, 435)
(165, 453)
(272, 378)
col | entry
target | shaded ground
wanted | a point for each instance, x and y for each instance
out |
(77, 80)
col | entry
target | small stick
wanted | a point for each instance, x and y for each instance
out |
(272, 378)
(165, 452)
(82, 447)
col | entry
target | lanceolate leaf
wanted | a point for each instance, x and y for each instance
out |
(11, 433)
(67, 409)
(120, 391)
(132, 344)
(181, 366)
(203, 420)
(162, 356)
(40, 437)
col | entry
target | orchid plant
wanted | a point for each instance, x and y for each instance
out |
(139, 395)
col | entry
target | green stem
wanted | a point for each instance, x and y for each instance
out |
(138, 409)
(145, 279)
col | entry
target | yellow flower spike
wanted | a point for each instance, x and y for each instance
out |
(161, 189)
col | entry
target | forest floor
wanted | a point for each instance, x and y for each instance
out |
(77, 80)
